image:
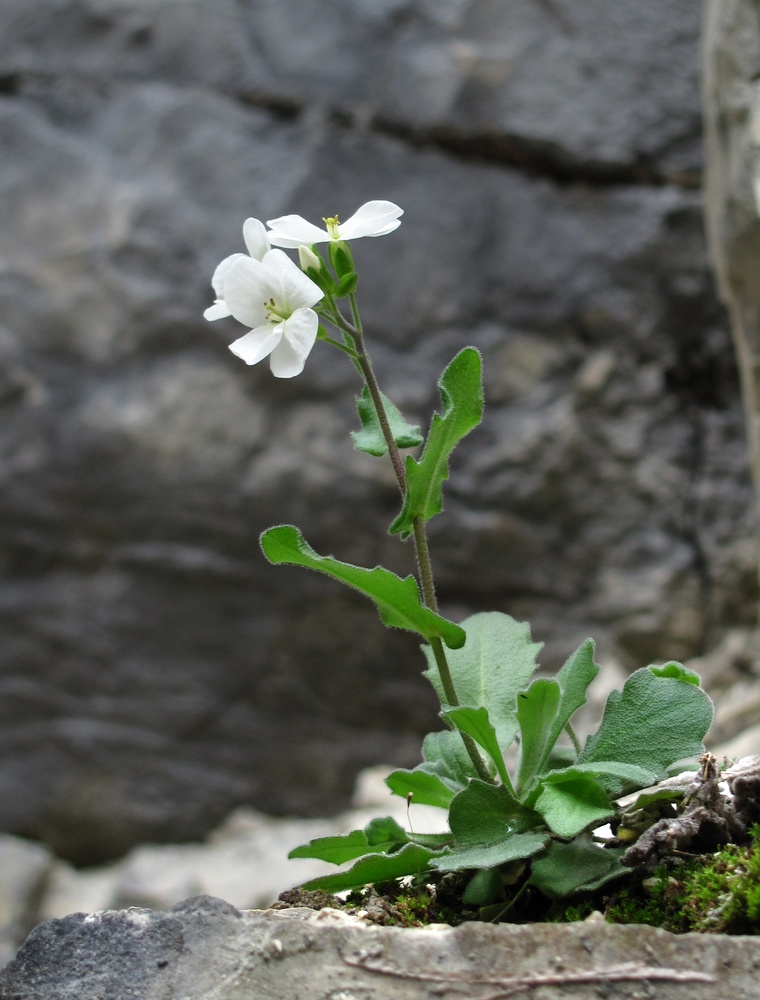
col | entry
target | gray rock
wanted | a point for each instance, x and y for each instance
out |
(732, 135)
(156, 673)
(25, 872)
(205, 948)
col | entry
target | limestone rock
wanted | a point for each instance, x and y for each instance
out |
(25, 871)
(205, 948)
(732, 132)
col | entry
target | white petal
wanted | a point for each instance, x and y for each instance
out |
(290, 231)
(256, 238)
(294, 289)
(258, 343)
(374, 218)
(219, 274)
(247, 289)
(218, 311)
(300, 333)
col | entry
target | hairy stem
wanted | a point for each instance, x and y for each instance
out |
(422, 549)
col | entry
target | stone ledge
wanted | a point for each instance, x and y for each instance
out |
(205, 949)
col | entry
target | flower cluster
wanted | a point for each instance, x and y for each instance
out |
(268, 292)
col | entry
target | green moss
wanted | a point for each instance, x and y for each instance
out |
(713, 893)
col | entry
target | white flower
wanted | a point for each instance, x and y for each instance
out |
(375, 218)
(274, 298)
(257, 243)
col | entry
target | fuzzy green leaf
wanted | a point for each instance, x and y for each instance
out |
(496, 662)
(677, 671)
(385, 833)
(446, 770)
(573, 679)
(382, 835)
(475, 722)
(425, 786)
(336, 850)
(445, 752)
(536, 712)
(580, 866)
(511, 847)
(545, 709)
(461, 410)
(484, 814)
(613, 775)
(483, 888)
(653, 722)
(412, 859)
(398, 601)
(370, 438)
(571, 802)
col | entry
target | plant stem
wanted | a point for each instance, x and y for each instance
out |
(573, 738)
(422, 549)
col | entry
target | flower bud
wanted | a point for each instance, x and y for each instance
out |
(308, 259)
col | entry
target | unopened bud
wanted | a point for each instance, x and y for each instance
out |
(308, 259)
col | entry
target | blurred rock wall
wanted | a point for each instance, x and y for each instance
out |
(156, 672)
(731, 48)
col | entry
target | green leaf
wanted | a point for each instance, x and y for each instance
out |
(475, 722)
(412, 859)
(336, 850)
(381, 834)
(571, 802)
(510, 848)
(653, 722)
(496, 662)
(370, 438)
(461, 411)
(573, 679)
(484, 887)
(385, 833)
(545, 709)
(657, 795)
(446, 770)
(446, 753)
(484, 814)
(613, 775)
(424, 785)
(536, 712)
(677, 671)
(398, 601)
(580, 866)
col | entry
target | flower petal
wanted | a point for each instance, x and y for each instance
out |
(247, 289)
(219, 310)
(217, 280)
(291, 231)
(374, 218)
(290, 286)
(299, 336)
(258, 343)
(256, 238)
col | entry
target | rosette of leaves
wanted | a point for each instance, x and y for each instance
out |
(534, 825)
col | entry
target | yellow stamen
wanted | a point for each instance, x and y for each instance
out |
(332, 227)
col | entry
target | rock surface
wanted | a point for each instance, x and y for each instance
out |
(156, 673)
(732, 181)
(205, 948)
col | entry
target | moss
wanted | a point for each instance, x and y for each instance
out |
(711, 893)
